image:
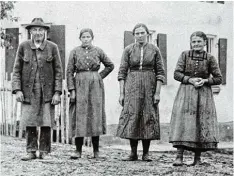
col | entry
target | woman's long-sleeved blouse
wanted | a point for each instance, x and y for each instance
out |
(194, 64)
(152, 60)
(87, 59)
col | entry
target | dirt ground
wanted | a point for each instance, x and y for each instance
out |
(59, 164)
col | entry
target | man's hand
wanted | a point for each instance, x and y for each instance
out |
(56, 99)
(19, 96)
(156, 99)
(73, 96)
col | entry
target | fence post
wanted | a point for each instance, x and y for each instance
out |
(14, 115)
(57, 122)
(9, 108)
(62, 113)
(2, 72)
(67, 118)
(1, 112)
(3, 105)
(6, 104)
(2, 108)
(11, 105)
(52, 132)
(20, 120)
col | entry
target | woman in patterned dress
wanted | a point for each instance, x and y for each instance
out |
(194, 122)
(140, 76)
(87, 91)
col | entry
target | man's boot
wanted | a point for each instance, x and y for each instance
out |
(29, 156)
(45, 143)
(31, 143)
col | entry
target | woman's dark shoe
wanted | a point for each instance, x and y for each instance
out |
(96, 154)
(197, 161)
(29, 156)
(178, 161)
(179, 158)
(131, 157)
(145, 157)
(75, 155)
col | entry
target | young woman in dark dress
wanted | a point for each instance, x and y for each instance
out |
(140, 76)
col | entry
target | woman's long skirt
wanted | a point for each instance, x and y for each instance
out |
(194, 120)
(90, 117)
(139, 118)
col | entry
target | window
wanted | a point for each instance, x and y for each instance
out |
(151, 36)
(210, 47)
(215, 2)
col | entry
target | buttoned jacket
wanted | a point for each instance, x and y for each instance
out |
(47, 60)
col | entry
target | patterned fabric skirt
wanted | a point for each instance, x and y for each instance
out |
(139, 118)
(88, 113)
(194, 120)
(37, 113)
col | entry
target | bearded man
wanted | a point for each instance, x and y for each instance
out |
(37, 83)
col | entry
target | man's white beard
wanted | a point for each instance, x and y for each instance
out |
(39, 40)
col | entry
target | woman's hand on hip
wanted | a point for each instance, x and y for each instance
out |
(19, 96)
(121, 99)
(156, 99)
(73, 96)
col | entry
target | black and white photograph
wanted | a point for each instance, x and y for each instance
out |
(116, 88)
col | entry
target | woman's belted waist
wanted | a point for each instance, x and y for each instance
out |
(141, 69)
(86, 70)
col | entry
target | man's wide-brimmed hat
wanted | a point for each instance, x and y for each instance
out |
(37, 22)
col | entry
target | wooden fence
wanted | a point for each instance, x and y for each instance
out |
(11, 114)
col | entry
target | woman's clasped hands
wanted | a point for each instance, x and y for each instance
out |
(197, 82)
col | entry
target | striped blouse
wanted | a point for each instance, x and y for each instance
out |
(133, 59)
